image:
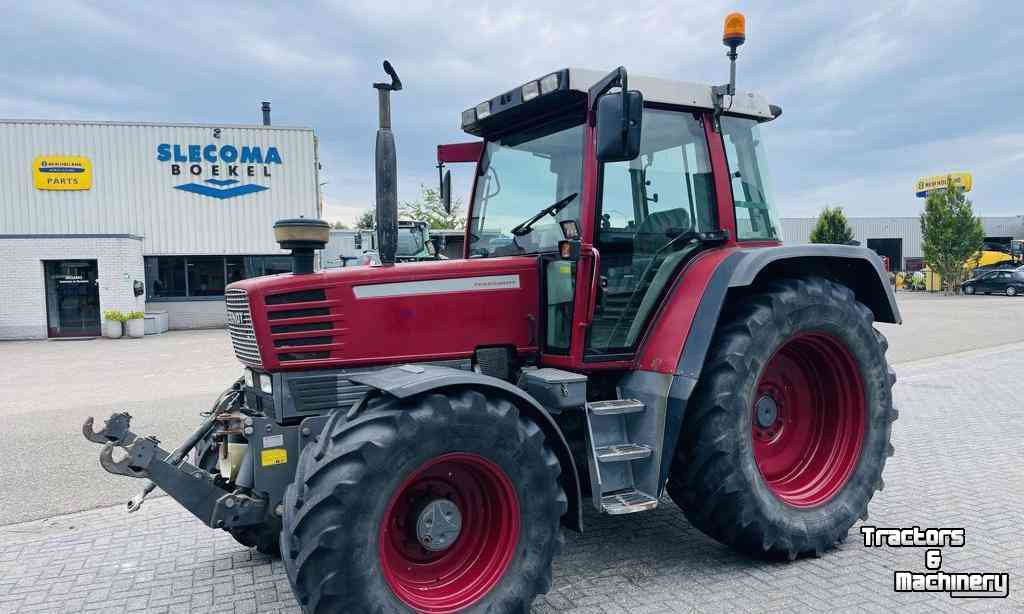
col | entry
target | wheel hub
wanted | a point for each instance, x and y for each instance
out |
(767, 411)
(439, 525)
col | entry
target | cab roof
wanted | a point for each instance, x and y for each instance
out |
(573, 85)
(669, 91)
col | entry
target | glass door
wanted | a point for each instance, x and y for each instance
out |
(72, 298)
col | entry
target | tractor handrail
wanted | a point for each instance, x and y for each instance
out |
(595, 279)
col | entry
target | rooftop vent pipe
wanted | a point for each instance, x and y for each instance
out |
(266, 113)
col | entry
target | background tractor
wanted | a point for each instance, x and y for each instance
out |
(626, 325)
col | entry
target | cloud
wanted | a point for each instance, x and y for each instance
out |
(868, 88)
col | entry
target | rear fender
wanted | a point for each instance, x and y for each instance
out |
(723, 275)
(411, 380)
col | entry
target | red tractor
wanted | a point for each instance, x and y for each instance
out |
(626, 324)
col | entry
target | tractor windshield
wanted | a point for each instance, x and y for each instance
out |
(519, 175)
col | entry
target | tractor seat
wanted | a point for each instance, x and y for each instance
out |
(659, 228)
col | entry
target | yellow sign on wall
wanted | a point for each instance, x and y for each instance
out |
(62, 173)
(939, 182)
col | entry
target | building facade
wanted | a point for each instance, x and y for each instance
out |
(141, 217)
(899, 238)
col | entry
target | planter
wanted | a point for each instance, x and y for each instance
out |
(112, 329)
(135, 328)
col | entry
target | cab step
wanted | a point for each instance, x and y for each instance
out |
(622, 452)
(627, 502)
(615, 407)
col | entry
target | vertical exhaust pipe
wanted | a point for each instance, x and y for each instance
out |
(266, 113)
(386, 168)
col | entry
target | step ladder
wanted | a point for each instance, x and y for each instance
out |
(620, 457)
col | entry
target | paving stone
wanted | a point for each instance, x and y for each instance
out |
(959, 462)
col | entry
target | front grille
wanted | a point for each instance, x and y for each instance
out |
(243, 338)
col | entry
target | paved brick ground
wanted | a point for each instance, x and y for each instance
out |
(959, 462)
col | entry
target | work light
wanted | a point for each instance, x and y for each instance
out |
(265, 384)
(530, 91)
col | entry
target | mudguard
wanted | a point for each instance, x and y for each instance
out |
(411, 380)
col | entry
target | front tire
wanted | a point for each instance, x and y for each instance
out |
(1011, 291)
(968, 289)
(358, 519)
(786, 437)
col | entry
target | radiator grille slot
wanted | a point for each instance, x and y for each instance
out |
(301, 341)
(302, 296)
(301, 328)
(239, 320)
(298, 313)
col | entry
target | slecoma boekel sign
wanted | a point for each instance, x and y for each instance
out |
(222, 169)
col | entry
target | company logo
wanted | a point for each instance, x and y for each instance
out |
(236, 318)
(214, 167)
(933, 579)
(62, 173)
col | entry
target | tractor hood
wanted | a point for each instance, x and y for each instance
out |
(370, 315)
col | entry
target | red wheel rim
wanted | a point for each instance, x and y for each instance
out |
(461, 575)
(808, 419)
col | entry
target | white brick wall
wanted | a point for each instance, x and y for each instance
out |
(23, 294)
(192, 314)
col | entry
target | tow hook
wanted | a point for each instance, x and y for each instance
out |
(142, 452)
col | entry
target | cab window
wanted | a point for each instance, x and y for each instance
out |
(756, 217)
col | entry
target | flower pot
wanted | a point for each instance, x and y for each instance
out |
(135, 328)
(112, 329)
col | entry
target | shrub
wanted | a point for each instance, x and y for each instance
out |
(114, 315)
(134, 315)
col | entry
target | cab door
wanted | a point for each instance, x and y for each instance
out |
(647, 210)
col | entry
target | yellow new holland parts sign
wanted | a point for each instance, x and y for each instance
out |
(62, 173)
(939, 182)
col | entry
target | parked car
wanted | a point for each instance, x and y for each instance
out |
(1010, 283)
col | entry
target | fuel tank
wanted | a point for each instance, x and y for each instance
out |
(369, 315)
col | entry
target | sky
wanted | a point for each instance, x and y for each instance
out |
(874, 94)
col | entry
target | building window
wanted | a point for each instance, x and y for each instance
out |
(204, 277)
(165, 276)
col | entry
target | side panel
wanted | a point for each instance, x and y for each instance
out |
(405, 313)
(675, 323)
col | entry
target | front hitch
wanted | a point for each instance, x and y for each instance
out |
(195, 489)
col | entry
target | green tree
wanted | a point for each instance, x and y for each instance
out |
(950, 234)
(365, 220)
(429, 209)
(832, 227)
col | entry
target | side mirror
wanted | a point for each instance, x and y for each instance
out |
(619, 120)
(446, 192)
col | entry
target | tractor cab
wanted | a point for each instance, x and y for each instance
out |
(414, 243)
(612, 228)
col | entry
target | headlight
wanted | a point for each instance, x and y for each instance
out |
(265, 384)
(247, 376)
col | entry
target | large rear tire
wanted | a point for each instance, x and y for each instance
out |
(438, 504)
(786, 436)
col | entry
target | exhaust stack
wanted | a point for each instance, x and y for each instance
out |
(266, 113)
(303, 237)
(386, 167)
